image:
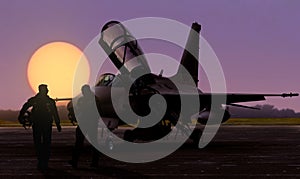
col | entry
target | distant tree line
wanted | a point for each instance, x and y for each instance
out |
(266, 111)
(12, 115)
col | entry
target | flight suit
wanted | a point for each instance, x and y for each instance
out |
(43, 113)
(89, 127)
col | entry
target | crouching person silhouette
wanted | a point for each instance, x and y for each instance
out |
(43, 113)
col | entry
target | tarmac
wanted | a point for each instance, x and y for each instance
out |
(235, 152)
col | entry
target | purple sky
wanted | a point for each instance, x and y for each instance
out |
(257, 42)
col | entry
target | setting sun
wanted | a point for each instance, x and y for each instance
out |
(55, 64)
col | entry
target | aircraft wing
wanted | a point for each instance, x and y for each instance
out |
(232, 98)
(237, 98)
(205, 98)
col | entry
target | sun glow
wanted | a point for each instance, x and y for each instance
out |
(55, 64)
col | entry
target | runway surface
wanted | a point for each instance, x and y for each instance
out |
(235, 152)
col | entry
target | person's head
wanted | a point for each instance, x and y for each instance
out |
(43, 89)
(86, 90)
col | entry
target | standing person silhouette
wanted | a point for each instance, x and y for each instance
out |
(43, 113)
(89, 126)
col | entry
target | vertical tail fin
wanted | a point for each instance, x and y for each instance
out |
(189, 59)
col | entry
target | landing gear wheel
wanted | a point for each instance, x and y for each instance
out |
(195, 136)
(128, 136)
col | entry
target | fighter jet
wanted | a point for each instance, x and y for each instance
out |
(135, 82)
